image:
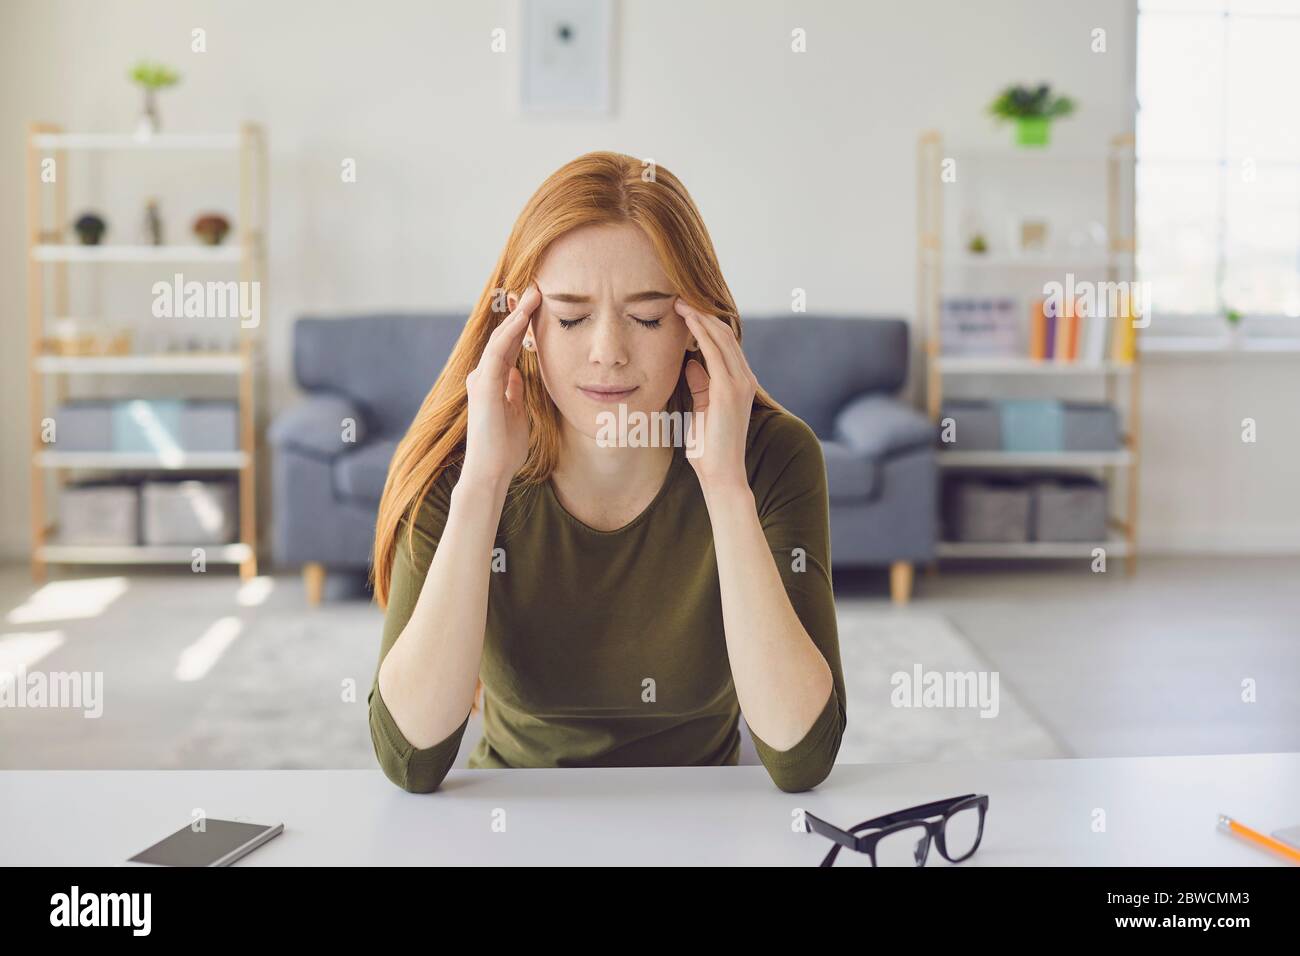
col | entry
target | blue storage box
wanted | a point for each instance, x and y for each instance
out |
(147, 425)
(1032, 425)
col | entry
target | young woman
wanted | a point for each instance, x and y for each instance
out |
(620, 601)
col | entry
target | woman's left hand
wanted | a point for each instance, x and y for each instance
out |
(723, 398)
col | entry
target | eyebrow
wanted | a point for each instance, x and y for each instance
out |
(648, 296)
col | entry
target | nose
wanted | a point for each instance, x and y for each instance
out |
(608, 344)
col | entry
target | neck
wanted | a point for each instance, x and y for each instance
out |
(609, 472)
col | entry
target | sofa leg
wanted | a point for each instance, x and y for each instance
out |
(313, 577)
(900, 581)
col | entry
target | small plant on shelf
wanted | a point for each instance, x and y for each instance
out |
(1233, 318)
(152, 77)
(211, 228)
(1032, 109)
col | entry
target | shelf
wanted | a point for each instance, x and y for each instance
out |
(52, 252)
(1014, 365)
(137, 461)
(142, 553)
(960, 258)
(113, 141)
(1115, 547)
(1035, 459)
(206, 363)
(1218, 345)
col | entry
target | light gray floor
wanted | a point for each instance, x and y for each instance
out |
(1118, 666)
(1106, 665)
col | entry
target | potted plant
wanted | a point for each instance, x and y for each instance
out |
(152, 77)
(1032, 109)
(211, 228)
(1233, 318)
(90, 228)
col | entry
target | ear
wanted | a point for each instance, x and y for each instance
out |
(512, 301)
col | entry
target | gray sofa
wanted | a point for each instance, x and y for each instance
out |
(364, 378)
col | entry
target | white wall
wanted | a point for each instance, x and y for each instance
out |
(803, 165)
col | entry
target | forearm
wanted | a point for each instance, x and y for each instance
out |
(428, 677)
(782, 680)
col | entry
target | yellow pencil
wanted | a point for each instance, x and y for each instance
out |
(1229, 825)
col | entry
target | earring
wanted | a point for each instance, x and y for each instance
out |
(528, 344)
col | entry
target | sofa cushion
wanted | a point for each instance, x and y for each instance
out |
(317, 426)
(850, 473)
(879, 426)
(361, 474)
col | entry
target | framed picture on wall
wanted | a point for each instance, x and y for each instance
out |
(567, 62)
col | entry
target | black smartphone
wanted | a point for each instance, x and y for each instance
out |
(215, 843)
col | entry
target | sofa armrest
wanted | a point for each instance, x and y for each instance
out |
(878, 425)
(324, 426)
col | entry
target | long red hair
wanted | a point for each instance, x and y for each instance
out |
(601, 188)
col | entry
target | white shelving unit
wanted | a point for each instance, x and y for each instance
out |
(49, 250)
(934, 256)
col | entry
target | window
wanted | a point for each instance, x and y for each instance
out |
(1218, 156)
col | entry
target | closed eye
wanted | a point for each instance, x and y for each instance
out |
(648, 323)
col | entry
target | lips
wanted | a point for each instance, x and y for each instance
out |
(606, 393)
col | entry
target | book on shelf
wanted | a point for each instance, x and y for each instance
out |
(1064, 331)
(1079, 335)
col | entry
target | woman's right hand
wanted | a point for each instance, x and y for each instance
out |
(496, 441)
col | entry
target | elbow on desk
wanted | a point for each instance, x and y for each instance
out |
(799, 779)
(413, 770)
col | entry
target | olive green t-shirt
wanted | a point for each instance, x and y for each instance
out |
(607, 648)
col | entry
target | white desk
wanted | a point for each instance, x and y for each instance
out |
(1159, 811)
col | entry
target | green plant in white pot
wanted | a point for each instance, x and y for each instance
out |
(1233, 318)
(1032, 109)
(151, 77)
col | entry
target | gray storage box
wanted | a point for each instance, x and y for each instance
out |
(83, 425)
(209, 426)
(1069, 508)
(1090, 426)
(188, 512)
(99, 513)
(988, 509)
(977, 425)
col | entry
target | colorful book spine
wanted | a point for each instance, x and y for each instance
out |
(1124, 339)
(1051, 326)
(1038, 330)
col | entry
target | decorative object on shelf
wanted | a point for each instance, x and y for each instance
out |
(153, 228)
(73, 337)
(1033, 236)
(90, 228)
(211, 228)
(983, 325)
(1032, 109)
(151, 77)
(1235, 335)
(978, 245)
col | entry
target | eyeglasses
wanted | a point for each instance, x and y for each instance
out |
(903, 838)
